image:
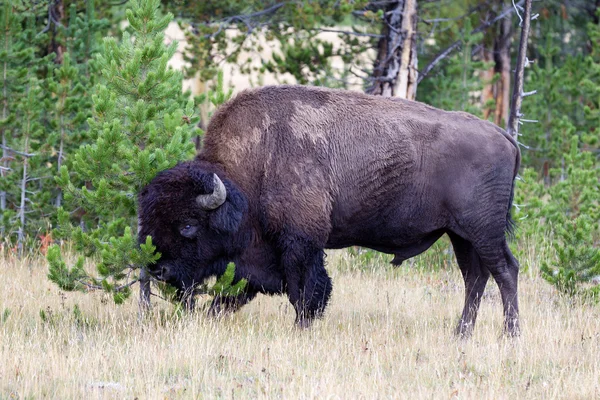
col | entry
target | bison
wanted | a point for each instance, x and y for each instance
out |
(288, 171)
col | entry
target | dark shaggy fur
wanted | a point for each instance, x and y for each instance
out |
(309, 168)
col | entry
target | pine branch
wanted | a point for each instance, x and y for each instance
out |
(98, 287)
(349, 33)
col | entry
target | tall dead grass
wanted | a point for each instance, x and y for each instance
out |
(386, 334)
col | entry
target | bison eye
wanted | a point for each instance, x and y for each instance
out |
(188, 230)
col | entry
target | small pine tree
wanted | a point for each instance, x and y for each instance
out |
(577, 272)
(142, 124)
(572, 209)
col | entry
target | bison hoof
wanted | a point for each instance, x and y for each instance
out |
(512, 329)
(464, 331)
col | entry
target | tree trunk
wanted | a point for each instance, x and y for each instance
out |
(57, 10)
(58, 201)
(145, 289)
(21, 214)
(395, 68)
(498, 91)
(502, 59)
(517, 95)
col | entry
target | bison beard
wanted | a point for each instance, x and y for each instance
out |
(287, 171)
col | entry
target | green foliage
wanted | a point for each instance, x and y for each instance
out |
(70, 110)
(21, 108)
(578, 259)
(458, 85)
(82, 37)
(45, 107)
(224, 285)
(66, 278)
(141, 124)
(571, 207)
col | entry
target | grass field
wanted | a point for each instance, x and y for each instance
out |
(386, 334)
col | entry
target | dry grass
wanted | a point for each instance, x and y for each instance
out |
(387, 334)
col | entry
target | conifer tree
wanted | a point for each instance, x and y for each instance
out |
(29, 137)
(142, 124)
(573, 211)
(69, 114)
(21, 198)
(69, 87)
(15, 56)
(83, 37)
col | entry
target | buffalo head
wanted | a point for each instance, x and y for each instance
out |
(194, 216)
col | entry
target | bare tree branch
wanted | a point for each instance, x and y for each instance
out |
(47, 27)
(246, 19)
(24, 154)
(436, 20)
(373, 35)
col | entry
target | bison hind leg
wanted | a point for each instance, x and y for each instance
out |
(477, 260)
(475, 276)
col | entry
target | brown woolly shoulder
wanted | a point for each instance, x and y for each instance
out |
(223, 111)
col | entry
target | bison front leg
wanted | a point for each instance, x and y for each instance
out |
(307, 284)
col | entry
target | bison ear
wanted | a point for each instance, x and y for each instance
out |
(228, 217)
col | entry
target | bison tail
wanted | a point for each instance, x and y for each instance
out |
(510, 222)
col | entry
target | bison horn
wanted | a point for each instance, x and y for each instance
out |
(214, 199)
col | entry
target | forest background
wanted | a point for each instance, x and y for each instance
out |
(87, 121)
